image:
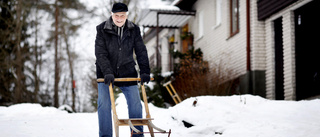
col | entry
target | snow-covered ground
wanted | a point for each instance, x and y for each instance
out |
(233, 116)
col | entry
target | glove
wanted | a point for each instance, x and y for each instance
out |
(145, 78)
(109, 78)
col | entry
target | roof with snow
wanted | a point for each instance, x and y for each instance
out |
(168, 16)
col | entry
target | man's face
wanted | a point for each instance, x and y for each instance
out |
(119, 18)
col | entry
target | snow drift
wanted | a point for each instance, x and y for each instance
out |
(241, 116)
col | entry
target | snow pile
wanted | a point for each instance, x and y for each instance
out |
(247, 116)
(33, 120)
(241, 116)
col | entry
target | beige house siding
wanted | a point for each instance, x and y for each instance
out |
(219, 49)
(270, 72)
(216, 44)
(288, 51)
(257, 33)
(289, 56)
(151, 46)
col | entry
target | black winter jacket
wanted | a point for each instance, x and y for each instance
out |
(115, 55)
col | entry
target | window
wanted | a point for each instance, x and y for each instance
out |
(234, 17)
(200, 24)
(217, 13)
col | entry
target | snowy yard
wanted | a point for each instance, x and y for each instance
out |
(234, 116)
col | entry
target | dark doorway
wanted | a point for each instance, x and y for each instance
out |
(307, 30)
(278, 49)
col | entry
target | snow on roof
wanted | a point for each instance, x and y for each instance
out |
(176, 19)
(164, 7)
(175, 2)
(171, 15)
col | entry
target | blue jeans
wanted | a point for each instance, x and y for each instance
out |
(104, 108)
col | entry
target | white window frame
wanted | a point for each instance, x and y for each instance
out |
(200, 25)
(217, 13)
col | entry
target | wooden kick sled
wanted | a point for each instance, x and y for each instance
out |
(172, 93)
(136, 121)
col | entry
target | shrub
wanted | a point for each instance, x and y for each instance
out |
(193, 77)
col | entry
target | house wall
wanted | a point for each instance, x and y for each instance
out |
(230, 53)
(151, 46)
(220, 49)
(216, 44)
(270, 71)
(164, 48)
(257, 52)
(258, 42)
(288, 49)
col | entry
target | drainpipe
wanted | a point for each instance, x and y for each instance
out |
(249, 73)
(248, 37)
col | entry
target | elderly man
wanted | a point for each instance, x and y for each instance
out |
(116, 40)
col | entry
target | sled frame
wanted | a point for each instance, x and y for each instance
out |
(172, 92)
(135, 121)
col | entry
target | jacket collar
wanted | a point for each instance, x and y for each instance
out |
(109, 22)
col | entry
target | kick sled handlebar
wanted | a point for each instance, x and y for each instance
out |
(123, 79)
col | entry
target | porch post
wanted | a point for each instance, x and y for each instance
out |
(157, 43)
